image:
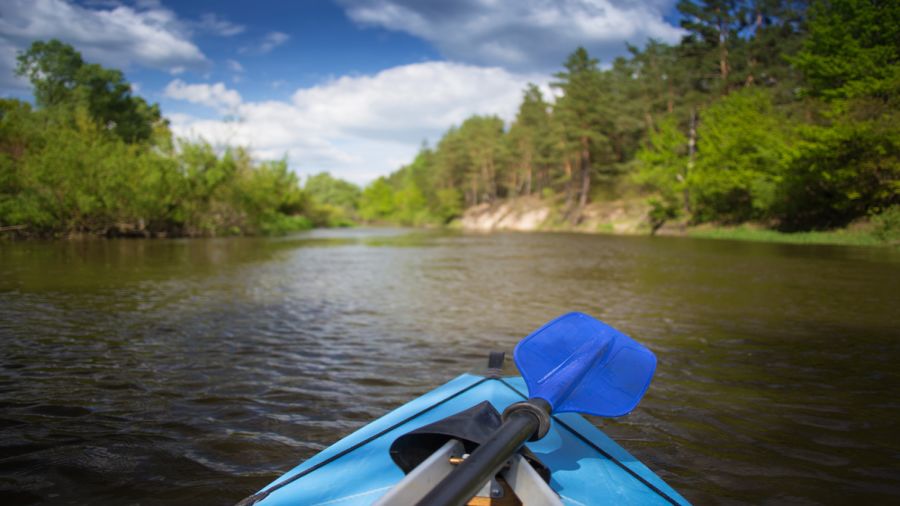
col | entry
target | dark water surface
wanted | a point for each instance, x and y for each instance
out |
(194, 372)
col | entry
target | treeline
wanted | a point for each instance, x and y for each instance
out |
(768, 110)
(93, 158)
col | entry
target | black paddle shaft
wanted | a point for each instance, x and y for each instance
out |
(472, 473)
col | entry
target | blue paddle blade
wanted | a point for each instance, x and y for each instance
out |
(578, 363)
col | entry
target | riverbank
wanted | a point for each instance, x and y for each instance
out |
(532, 214)
(630, 217)
(856, 235)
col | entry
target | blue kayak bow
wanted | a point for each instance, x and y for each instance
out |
(574, 363)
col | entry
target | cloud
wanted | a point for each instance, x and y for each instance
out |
(356, 127)
(524, 34)
(269, 42)
(216, 95)
(118, 36)
(234, 65)
(9, 81)
(273, 40)
(212, 23)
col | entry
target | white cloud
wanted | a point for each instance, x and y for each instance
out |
(214, 24)
(522, 34)
(118, 36)
(234, 65)
(9, 81)
(216, 95)
(273, 40)
(357, 127)
(269, 42)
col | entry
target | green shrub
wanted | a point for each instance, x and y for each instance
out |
(887, 225)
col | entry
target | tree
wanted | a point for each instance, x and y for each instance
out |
(530, 139)
(843, 171)
(657, 78)
(663, 163)
(713, 27)
(451, 163)
(743, 151)
(377, 201)
(772, 30)
(848, 162)
(63, 81)
(482, 141)
(852, 49)
(580, 112)
(326, 189)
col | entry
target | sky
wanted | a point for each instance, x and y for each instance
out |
(352, 87)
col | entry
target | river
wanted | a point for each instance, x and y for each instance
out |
(196, 371)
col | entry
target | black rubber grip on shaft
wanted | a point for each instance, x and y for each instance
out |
(472, 473)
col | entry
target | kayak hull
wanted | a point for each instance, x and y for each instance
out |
(587, 467)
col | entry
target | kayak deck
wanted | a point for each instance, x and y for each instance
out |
(587, 466)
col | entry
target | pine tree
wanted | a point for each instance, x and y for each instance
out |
(580, 113)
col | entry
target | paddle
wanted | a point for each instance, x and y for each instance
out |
(574, 363)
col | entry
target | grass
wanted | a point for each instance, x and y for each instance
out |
(851, 236)
(606, 228)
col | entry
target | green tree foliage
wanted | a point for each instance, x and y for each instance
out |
(377, 201)
(713, 27)
(848, 161)
(844, 170)
(482, 141)
(531, 144)
(663, 166)
(336, 201)
(852, 49)
(419, 194)
(581, 111)
(270, 197)
(326, 189)
(743, 152)
(63, 82)
(773, 30)
(93, 159)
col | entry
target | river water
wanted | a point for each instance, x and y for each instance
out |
(196, 371)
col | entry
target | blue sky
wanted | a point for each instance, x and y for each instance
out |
(348, 86)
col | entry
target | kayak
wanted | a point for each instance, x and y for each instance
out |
(453, 447)
(585, 466)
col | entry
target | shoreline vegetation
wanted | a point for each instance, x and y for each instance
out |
(770, 121)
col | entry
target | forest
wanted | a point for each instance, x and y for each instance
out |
(768, 111)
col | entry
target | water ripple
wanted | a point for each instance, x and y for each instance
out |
(185, 372)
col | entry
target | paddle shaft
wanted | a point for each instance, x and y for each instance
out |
(472, 473)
